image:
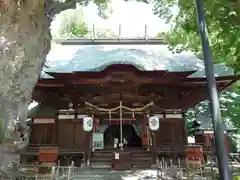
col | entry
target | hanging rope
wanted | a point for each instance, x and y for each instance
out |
(118, 107)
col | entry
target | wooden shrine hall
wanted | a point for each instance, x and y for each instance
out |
(118, 116)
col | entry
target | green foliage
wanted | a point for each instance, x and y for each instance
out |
(78, 29)
(161, 35)
(236, 177)
(234, 139)
(83, 3)
(223, 21)
(71, 24)
(1, 133)
(229, 105)
(104, 8)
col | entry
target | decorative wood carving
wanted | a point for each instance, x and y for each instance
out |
(43, 120)
(125, 82)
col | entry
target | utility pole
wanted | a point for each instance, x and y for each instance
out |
(221, 150)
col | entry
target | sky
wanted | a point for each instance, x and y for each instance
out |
(132, 15)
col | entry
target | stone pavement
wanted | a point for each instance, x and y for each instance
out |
(117, 175)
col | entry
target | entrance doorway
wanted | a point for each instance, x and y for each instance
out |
(129, 134)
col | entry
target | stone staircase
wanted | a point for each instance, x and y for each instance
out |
(142, 159)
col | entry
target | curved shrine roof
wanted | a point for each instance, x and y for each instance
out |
(91, 73)
(75, 58)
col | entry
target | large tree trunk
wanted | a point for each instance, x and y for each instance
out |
(24, 43)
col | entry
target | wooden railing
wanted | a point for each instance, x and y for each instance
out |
(52, 172)
(117, 39)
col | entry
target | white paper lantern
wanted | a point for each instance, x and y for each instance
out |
(87, 124)
(154, 123)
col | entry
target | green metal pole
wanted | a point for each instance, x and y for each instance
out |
(221, 150)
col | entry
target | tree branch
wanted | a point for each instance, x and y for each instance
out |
(54, 7)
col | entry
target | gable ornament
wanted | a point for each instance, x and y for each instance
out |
(154, 123)
(87, 124)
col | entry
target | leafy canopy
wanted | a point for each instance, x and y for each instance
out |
(72, 23)
(223, 22)
(229, 106)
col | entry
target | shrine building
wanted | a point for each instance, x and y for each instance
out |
(118, 106)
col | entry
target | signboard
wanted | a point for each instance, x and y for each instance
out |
(154, 123)
(98, 141)
(116, 155)
(87, 124)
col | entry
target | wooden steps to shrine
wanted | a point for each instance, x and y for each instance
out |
(101, 159)
(121, 160)
(142, 159)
